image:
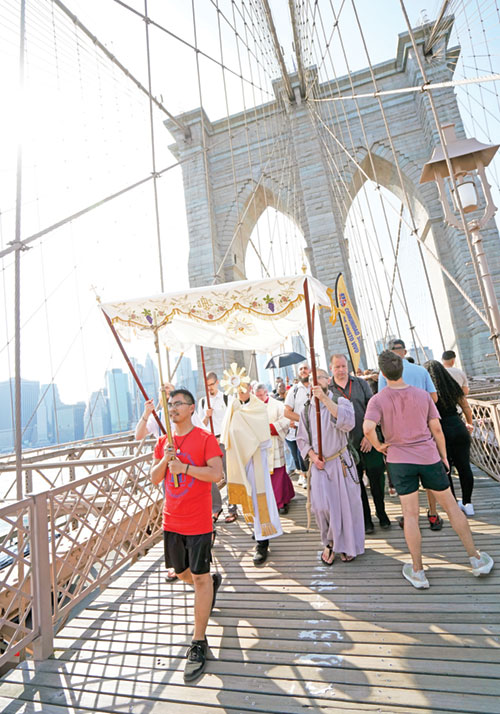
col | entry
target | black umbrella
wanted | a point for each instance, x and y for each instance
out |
(284, 359)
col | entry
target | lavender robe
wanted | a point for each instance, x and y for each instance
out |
(335, 498)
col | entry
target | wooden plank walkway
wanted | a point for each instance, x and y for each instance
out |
(291, 636)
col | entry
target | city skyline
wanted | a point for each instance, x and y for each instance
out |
(114, 407)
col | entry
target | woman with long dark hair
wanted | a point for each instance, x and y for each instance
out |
(457, 434)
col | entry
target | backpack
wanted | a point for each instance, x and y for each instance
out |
(224, 397)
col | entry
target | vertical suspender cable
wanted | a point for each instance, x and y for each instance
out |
(153, 153)
(468, 233)
(17, 278)
(208, 186)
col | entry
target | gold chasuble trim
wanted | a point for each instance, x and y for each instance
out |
(266, 526)
(245, 428)
(237, 493)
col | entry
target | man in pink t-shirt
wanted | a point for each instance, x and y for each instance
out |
(416, 453)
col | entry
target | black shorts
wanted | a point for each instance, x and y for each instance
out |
(406, 477)
(188, 551)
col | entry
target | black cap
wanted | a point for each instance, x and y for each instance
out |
(396, 344)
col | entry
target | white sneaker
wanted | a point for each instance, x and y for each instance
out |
(467, 508)
(302, 481)
(417, 579)
(482, 565)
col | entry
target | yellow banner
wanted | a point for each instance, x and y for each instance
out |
(349, 321)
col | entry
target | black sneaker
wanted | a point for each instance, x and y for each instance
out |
(385, 525)
(261, 553)
(196, 660)
(369, 528)
(216, 579)
(435, 522)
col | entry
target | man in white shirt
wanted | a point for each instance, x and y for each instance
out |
(218, 406)
(448, 360)
(147, 424)
(294, 403)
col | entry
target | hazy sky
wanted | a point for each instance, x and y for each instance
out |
(86, 134)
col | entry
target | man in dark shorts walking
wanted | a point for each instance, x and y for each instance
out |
(188, 469)
(416, 452)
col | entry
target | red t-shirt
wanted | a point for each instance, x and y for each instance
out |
(188, 508)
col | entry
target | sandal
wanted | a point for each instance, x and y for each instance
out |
(330, 552)
(230, 518)
(215, 516)
(346, 558)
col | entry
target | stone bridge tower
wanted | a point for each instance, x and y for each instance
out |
(221, 219)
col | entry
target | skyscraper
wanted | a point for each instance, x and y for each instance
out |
(70, 421)
(136, 398)
(151, 382)
(119, 400)
(185, 376)
(7, 436)
(97, 421)
(29, 400)
(47, 425)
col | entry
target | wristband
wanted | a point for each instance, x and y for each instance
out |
(143, 418)
(187, 469)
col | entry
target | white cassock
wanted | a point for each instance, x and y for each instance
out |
(271, 500)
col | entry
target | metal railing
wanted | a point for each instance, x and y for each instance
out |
(39, 453)
(60, 545)
(54, 466)
(485, 447)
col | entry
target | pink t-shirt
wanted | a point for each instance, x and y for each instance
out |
(404, 415)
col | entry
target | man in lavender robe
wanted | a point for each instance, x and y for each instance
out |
(335, 490)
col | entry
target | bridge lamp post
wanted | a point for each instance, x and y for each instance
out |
(465, 160)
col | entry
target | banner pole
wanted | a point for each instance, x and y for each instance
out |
(206, 386)
(310, 331)
(131, 368)
(353, 346)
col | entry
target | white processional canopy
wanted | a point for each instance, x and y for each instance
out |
(245, 315)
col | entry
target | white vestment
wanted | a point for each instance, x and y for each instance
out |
(271, 500)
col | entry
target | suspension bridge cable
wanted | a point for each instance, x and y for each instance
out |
(153, 151)
(113, 59)
(180, 39)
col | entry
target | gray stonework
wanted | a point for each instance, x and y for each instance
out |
(240, 188)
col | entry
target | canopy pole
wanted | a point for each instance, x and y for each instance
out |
(132, 370)
(310, 332)
(176, 365)
(206, 387)
(169, 371)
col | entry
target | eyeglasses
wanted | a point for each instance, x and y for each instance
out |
(176, 405)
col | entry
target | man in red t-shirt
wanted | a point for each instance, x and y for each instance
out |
(196, 461)
(416, 452)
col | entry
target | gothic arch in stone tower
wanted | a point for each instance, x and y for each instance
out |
(378, 166)
(254, 198)
(224, 197)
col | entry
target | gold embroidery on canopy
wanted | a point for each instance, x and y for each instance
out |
(211, 318)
